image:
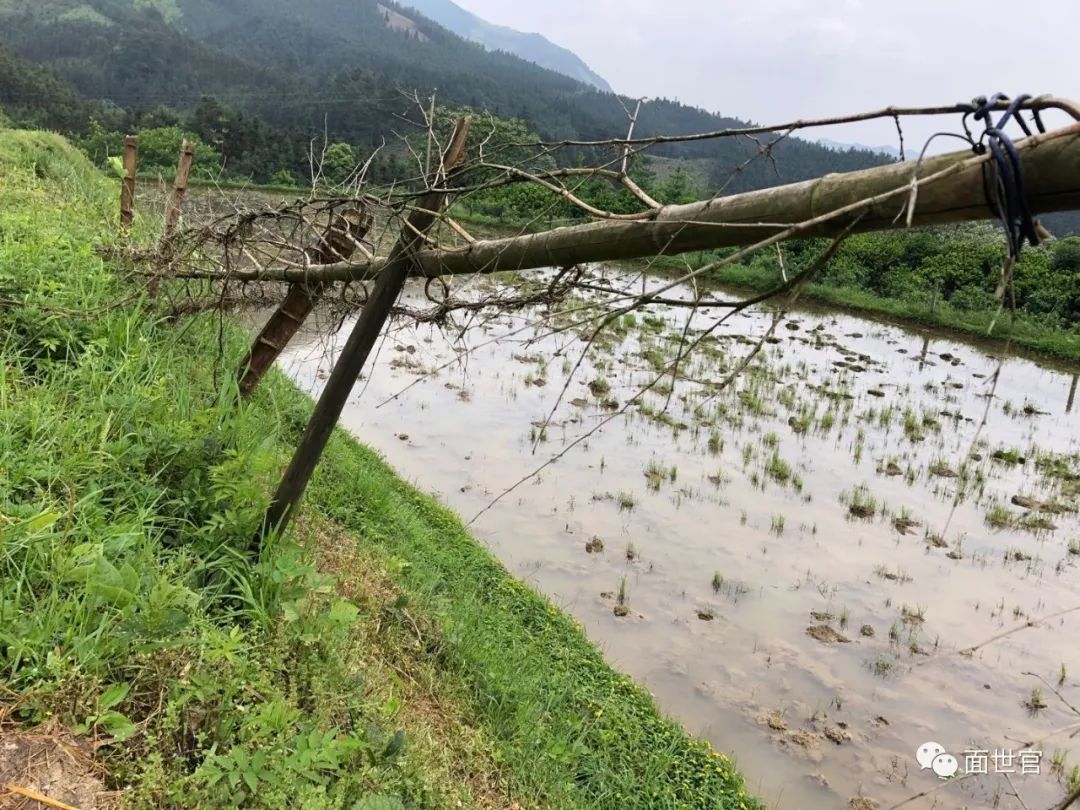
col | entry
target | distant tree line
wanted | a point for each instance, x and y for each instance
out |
(958, 267)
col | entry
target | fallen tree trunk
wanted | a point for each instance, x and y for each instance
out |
(951, 189)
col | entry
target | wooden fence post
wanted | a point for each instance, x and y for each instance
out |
(127, 188)
(174, 205)
(339, 243)
(387, 288)
(180, 186)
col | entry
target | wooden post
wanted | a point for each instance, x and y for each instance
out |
(338, 244)
(180, 186)
(175, 205)
(127, 188)
(387, 288)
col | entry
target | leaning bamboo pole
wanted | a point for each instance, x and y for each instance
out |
(341, 240)
(950, 189)
(358, 347)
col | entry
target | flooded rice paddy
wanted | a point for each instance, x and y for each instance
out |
(797, 565)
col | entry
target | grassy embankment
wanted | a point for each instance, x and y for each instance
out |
(376, 657)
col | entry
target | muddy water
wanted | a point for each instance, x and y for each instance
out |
(727, 519)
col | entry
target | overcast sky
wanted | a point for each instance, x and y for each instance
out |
(776, 60)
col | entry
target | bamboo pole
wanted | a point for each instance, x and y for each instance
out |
(180, 186)
(127, 187)
(340, 242)
(359, 345)
(951, 189)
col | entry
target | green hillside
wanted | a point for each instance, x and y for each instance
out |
(297, 68)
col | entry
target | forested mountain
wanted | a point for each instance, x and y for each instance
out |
(533, 47)
(840, 146)
(278, 72)
(38, 97)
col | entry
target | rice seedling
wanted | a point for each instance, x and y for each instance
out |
(777, 526)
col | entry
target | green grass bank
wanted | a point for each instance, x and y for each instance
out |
(375, 658)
